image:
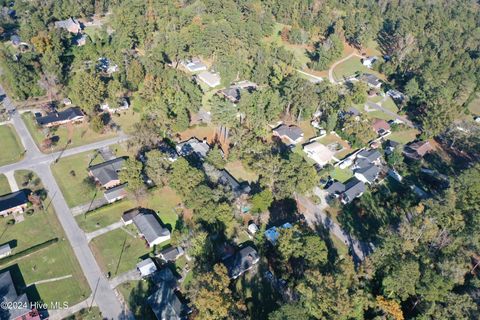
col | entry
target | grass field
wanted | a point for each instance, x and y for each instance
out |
(107, 249)
(299, 51)
(74, 188)
(79, 134)
(4, 186)
(12, 148)
(104, 216)
(239, 172)
(341, 175)
(135, 293)
(54, 261)
(127, 119)
(389, 104)
(350, 67)
(404, 136)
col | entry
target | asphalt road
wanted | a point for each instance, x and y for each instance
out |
(38, 162)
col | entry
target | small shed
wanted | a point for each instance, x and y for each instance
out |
(146, 267)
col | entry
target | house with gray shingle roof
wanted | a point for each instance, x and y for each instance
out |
(150, 229)
(367, 174)
(293, 134)
(116, 193)
(106, 173)
(20, 304)
(354, 188)
(71, 25)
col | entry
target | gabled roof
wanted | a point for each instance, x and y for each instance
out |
(67, 114)
(371, 155)
(149, 227)
(5, 248)
(8, 294)
(193, 146)
(115, 192)
(171, 253)
(66, 24)
(211, 79)
(354, 188)
(291, 132)
(226, 179)
(370, 79)
(370, 172)
(242, 261)
(232, 94)
(380, 125)
(319, 152)
(418, 149)
(12, 200)
(107, 171)
(335, 188)
(164, 302)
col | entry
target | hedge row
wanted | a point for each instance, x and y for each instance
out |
(30, 250)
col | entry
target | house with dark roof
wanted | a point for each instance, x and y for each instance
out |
(150, 229)
(116, 193)
(231, 93)
(371, 80)
(106, 173)
(354, 188)
(57, 118)
(242, 261)
(367, 174)
(390, 146)
(193, 146)
(171, 253)
(293, 134)
(372, 156)
(165, 301)
(416, 150)
(19, 305)
(15, 202)
(71, 25)
(335, 189)
(127, 217)
(238, 189)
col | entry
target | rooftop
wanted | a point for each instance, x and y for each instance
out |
(193, 146)
(8, 294)
(149, 227)
(243, 260)
(353, 188)
(107, 171)
(115, 192)
(64, 115)
(293, 133)
(12, 200)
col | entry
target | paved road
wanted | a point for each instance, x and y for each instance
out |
(316, 214)
(105, 297)
(379, 107)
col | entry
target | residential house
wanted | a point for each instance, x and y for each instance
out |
(319, 153)
(252, 228)
(146, 267)
(150, 229)
(106, 173)
(15, 202)
(370, 156)
(171, 253)
(371, 80)
(390, 146)
(354, 188)
(335, 189)
(367, 174)
(231, 93)
(57, 118)
(5, 250)
(165, 301)
(242, 261)
(396, 95)
(72, 25)
(293, 134)
(381, 127)
(121, 105)
(369, 61)
(202, 116)
(18, 305)
(80, 40)
(128, 216)
(238, 189)
(116, 193)
(194, 65)
(193, 146)
(416, 150)
(210, 79)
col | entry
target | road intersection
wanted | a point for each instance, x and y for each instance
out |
(104, 296)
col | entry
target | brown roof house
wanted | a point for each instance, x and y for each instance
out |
(106, 173)
(15, 202)
(381, 127)
(416, 150)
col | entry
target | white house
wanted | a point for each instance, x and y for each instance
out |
(369, 61)
(318, 153)
(210, 79)
(146, 267)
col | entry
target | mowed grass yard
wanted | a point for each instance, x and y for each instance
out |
(239, 172)
(12, 148)
(4, 185)
(74, 188)
(404, 136)
(351, 66)
(56, 260)
(78, 134)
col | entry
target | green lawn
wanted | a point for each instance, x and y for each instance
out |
(4, 186)
(379, 115)
(107, 249)
(351, 66)
(104, 216)
(57, 260)
(163, 201)
(127, 119)
(135, 294)
(341, 175)
(74, 188)
(238, 171)
(299, 51)
(79, 134)
(12, 148)
(389, 104)
(404, 136)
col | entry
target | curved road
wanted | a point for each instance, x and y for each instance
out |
(38, 162)
(330, 71)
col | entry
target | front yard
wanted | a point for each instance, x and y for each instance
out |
(4, 185)
(12, 149)
(350, 67)
(77, 134)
